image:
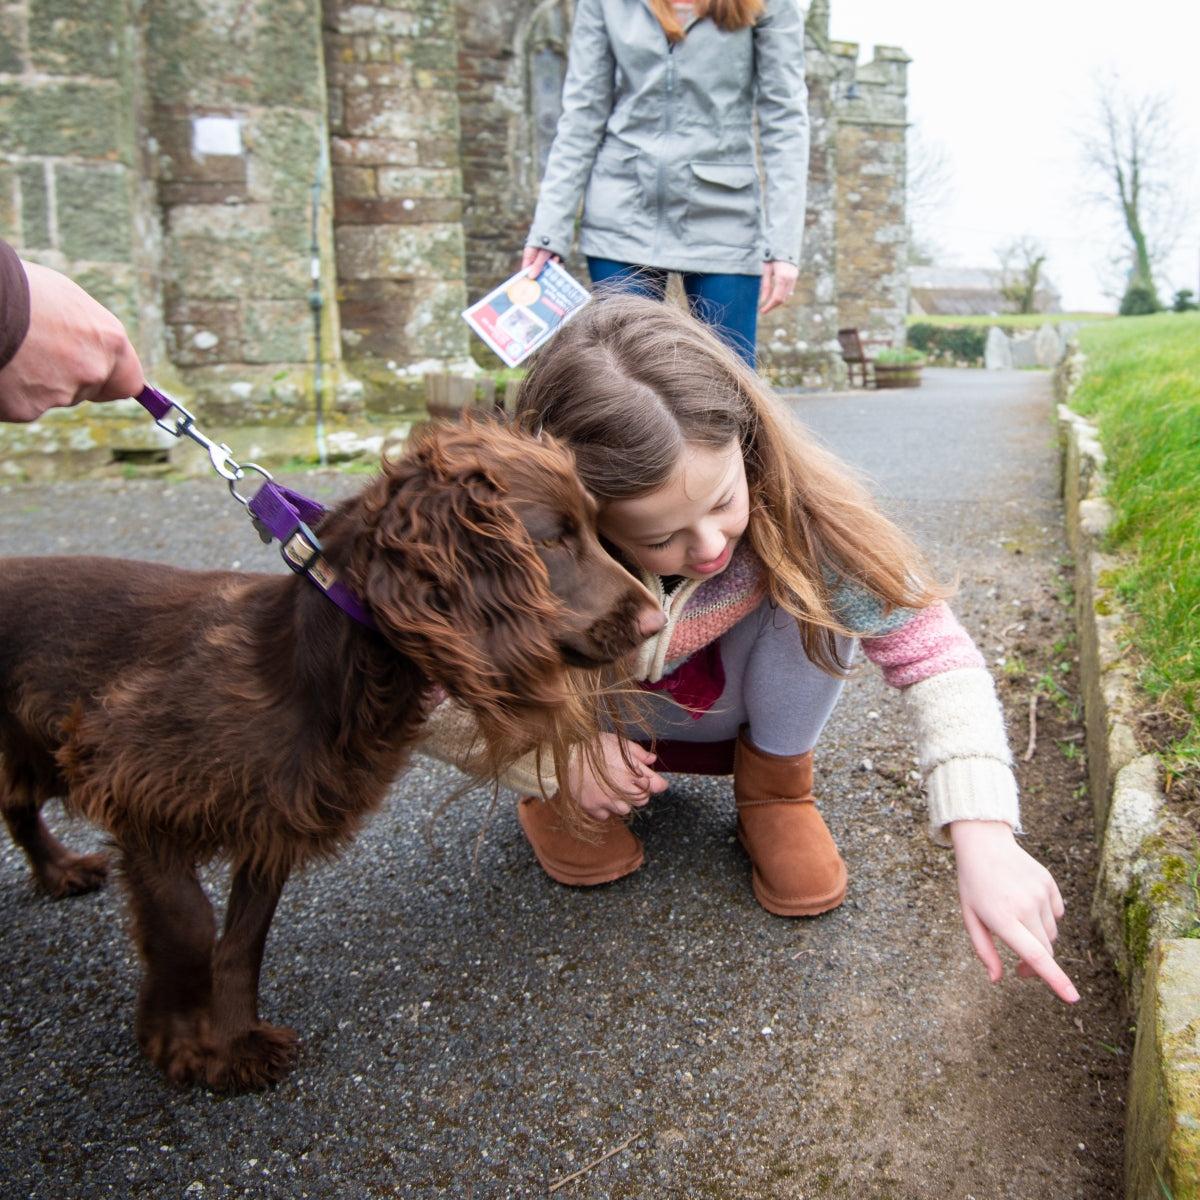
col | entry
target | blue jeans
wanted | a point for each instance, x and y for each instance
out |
(729, 303)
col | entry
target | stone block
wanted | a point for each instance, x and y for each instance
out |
(400, 114)
(77, 120)
(435, 328)
(115, 286)
(11, 22)
(1162, 1130)
(395, 211)
(358, 76)
(436, 55)
(277, 331)
(420, 182)
(9, 223)
(234, 251)
(75, 37)
(374, 313)
(374, 21)
(355, 183)
(243, 55)
(285, 149)
(359, 151)
(95, 212)
(400, 252)
(35, 207)
(204, 332)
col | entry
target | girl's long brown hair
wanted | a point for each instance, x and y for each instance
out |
(728, 15)
(630, 382)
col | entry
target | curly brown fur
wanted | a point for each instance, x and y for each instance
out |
(203, 714)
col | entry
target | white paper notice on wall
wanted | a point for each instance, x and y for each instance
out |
(216, 135)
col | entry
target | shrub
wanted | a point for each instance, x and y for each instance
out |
(1140, 300)
(952, 343)
(902, 354)
(1185, 301)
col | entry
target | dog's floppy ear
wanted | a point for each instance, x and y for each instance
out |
(451, 577)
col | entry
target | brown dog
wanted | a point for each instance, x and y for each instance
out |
(196, 714)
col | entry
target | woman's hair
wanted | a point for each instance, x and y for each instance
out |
(630, 382)
(728, 15)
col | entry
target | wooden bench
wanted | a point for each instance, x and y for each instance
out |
(854, 355)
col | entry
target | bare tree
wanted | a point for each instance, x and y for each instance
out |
(1021, 263)
(929, 184)
(1129, 153)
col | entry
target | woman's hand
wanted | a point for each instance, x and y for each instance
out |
(1006, 894)
(635, 785)
(537, 259)
(75, 350)
(778, 284)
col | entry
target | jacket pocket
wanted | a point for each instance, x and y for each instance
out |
(614, 192)
(723, 205)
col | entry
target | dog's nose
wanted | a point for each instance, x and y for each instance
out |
(651, 621)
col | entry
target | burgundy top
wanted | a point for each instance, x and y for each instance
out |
(14, 304)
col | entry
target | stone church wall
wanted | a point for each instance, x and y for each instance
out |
(235, 180)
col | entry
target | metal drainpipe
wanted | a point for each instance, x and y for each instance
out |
(316, 303)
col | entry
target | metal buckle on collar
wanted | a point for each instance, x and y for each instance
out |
(301, 550)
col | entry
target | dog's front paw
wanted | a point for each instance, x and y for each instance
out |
(72, 875)
(178, 1044)
(253, 1060)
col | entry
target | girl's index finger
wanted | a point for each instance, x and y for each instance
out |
(1040, 961)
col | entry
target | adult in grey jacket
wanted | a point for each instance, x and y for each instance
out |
(657, 140)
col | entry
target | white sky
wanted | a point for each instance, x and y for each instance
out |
(1000, 88)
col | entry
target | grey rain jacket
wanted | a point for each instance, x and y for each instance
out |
(658, 142)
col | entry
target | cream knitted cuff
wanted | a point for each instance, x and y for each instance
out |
(970, 789)
(451, 736)
(963, 749)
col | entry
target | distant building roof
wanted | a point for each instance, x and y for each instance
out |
(968, 291)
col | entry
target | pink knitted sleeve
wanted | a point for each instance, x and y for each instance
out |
(931, 643)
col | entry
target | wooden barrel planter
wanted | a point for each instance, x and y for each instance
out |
(446, 396)
(897, 374)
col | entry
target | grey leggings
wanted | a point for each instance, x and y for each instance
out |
(770, 685)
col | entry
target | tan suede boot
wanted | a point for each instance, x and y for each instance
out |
(571, 860)
(798, 871)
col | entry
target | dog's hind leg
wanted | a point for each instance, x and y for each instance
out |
(175, 929)
(249, 1053)
(57, 871)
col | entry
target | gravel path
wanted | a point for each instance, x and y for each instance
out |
(472, 1030)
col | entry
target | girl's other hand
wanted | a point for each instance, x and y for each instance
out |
(537, 259)
(635, 785)
(1006, 894)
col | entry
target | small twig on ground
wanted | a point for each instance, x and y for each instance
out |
(594, 1163)
(1033, 697)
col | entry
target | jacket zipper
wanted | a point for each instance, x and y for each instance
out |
(668, 132)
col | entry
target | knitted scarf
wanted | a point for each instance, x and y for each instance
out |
(699, 611)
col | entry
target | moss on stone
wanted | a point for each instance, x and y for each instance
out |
(1137, 916)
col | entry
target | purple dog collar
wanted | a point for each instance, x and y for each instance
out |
(284, 515)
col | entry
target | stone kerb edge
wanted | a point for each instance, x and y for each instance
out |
(1137, 903)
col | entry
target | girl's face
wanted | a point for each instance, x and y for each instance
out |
(691, 524)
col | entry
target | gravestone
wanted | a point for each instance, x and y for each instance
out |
(1023, 351)
(997, 353)
(1048, 346)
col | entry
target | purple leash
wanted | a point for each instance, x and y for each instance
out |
(277, 512)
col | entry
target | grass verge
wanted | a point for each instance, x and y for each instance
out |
(1141, 386)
